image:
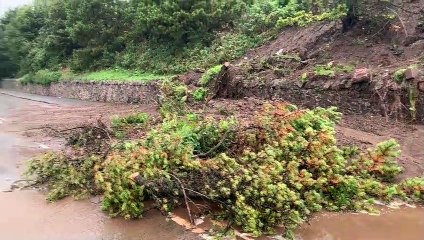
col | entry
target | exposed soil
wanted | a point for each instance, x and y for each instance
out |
(275, 70)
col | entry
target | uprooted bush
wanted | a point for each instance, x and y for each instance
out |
(276, 170)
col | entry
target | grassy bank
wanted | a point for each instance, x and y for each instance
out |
(47, 77)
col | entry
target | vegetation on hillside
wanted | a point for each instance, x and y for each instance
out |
(161, 37)
(46, 77)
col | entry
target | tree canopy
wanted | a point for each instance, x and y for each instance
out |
(159, 36)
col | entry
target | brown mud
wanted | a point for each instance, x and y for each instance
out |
(405, 224)
(26, 215)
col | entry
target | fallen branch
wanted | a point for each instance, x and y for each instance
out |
(185, 198)
(71, 129)
(403, 24)
(224, 137)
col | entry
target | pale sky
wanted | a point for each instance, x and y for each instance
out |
(8, 4)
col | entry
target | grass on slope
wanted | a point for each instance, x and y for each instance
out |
(46, 77)
(115, 75)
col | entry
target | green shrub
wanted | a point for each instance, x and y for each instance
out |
(200, 94)
(210, 74)
(399, 76)
(303, 18)
(42, 77)
(63, 176)
(135, 119)
(174, 97)
(413, 187)
(191, 20)
(159, 37)
(324, 70)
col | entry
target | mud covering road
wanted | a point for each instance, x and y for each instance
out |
(26, 215)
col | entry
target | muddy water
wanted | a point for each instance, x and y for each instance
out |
(10, 162)
(26, 215)
(399, 224)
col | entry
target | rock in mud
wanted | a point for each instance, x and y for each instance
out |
(411, 73)
(421, 86)
(361, 75)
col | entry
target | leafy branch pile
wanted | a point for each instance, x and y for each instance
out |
(276, 170)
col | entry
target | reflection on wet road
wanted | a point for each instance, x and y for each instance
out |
(392, 224)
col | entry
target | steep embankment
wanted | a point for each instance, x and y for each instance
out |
(373, 68)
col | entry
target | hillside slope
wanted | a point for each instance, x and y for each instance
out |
(363, 70)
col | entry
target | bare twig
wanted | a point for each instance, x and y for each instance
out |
(71, 129)
(186, 199)
(401, 21)
(381, 29)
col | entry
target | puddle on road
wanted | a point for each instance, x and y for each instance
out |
(392, 224)
(11, 150)
(27, 215)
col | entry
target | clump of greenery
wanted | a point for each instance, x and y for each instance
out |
(210, 74)
(173, 100)
(64, 176)
(276, 170)
(67, 34)
(136, 119)
(116, 75)
(413, 187)
(399, 75)
(42, 77)
(200, 94)
(304, 77)
(303, 18)
(324, 70)
(331, 69)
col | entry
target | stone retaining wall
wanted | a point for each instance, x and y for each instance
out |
(144, 93)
